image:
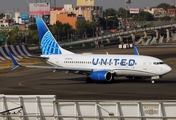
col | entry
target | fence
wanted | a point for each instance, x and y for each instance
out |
(46, 107)
(19, 51)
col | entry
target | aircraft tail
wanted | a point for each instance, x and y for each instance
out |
(48, 43)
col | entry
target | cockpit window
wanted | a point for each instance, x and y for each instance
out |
(158, 63)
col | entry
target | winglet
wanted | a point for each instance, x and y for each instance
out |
(14, 61)
(135, 50)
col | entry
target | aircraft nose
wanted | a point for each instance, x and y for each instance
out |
(167, 69)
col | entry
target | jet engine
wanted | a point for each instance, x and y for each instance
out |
(99, 76)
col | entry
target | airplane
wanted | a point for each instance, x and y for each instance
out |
(97, 67)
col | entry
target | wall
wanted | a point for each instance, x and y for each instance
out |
(47, 107)
(89, 12)
(64, 18)
(54, 15)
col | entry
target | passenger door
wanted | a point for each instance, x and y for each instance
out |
(145, 65)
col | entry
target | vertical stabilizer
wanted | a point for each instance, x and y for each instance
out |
(48, 43)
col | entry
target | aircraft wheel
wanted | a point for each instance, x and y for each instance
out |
(152, 81)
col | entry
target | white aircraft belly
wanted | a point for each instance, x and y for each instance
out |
(126, 72)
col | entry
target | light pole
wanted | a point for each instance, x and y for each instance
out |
(85, 34)
(127, 3)
(58, 36)
(93, 32)
(97, 46)
(106, 25)
(119, 25)
(126, 10)
(68, 34)
(6, 38)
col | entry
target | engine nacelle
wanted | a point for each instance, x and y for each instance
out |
(101, 76)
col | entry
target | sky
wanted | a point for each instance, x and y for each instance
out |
(22, 5)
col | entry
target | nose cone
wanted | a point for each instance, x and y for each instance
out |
(167, 69)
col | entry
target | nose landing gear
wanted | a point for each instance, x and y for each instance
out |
(152, 81)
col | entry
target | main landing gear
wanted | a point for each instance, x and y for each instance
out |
(89, 80)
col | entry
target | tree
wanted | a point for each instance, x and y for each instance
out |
(109, 12)
(110, 20)
(83, 27)
(121, 13)
(32, 34)
(32, 37)
(145, 16)
(11, 36)
(102, 22)
(165, 6)
(2, 15)
(60, 30)
(32, 27)
(166, 18)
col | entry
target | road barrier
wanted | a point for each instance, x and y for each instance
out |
(47, 107)
(19, 51)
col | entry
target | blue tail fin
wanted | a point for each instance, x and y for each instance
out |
(135, 50)
(48, 43)
(14, 62)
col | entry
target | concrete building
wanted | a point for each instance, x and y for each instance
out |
(157, 12)
(4, 23)
(171, 12)
(68, 17)
(6, 20)
(17, 18)
(71, 15)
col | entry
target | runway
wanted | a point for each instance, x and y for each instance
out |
(72, 86)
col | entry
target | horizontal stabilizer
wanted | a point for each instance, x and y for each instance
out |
(14, 61)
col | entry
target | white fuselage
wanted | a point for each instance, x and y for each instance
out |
(121, 65)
